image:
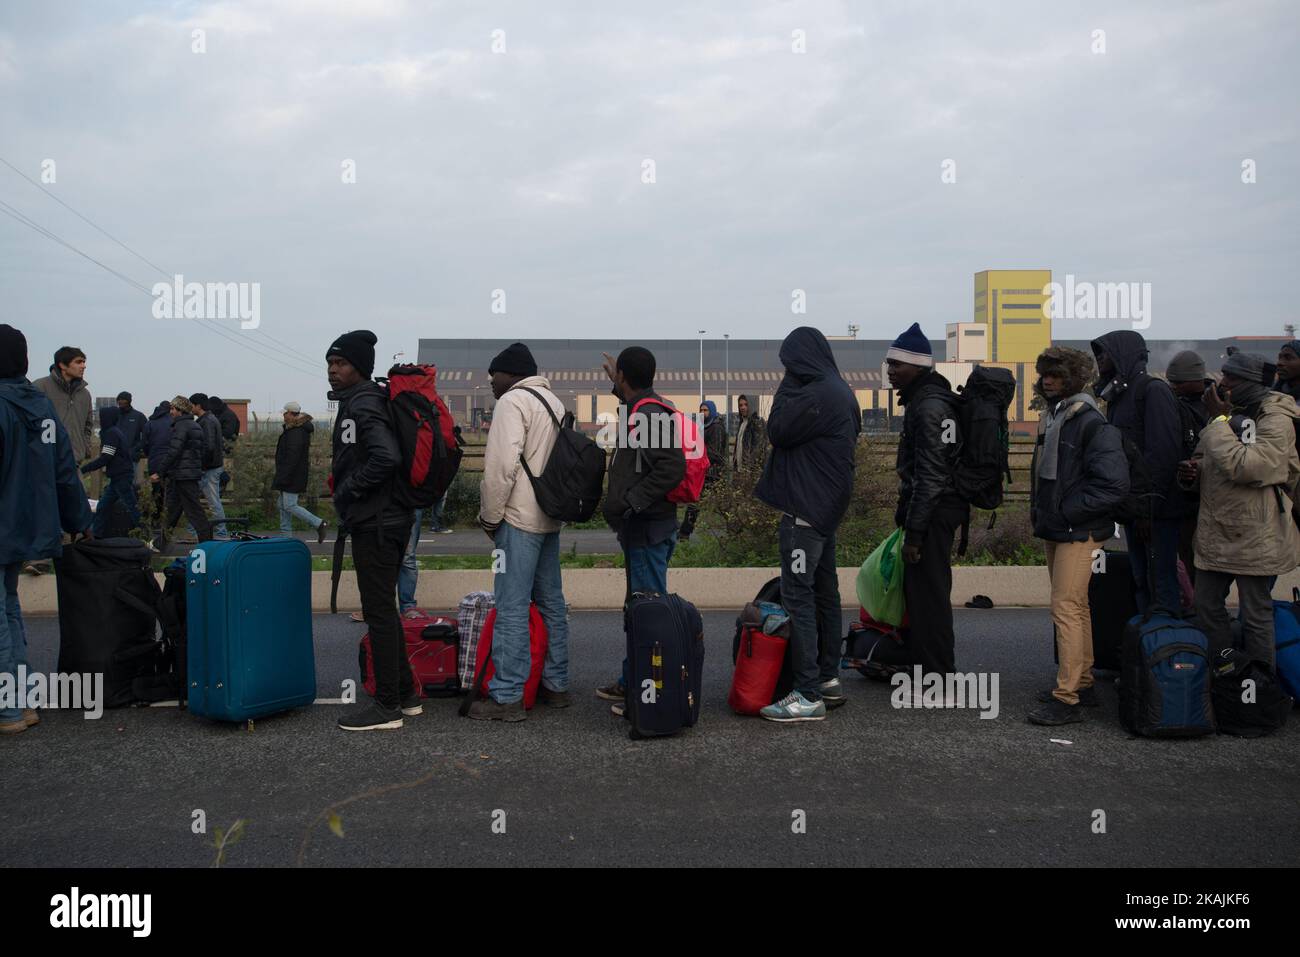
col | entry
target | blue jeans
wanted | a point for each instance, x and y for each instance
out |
(13, 637)
(289, 509)
(531, 572)
(210, 486)
(119, 489)
(410, 570)
(647, 570)
(810, 592)
(1165, 533)
(435, 522)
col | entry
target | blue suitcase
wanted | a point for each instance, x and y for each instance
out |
(665, 657)
(1286, 634)
(248, 623)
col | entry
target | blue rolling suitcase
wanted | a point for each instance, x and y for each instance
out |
(248, 618)
(665, 655)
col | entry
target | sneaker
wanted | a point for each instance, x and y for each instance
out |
(553, 699)
(320, 532)
(413, 613)
(1087, 696)
(487, 709)
(795, 707)
(412, 705)
(444, 531)
(618, 710)
(614, 692)
(30, 717)
(17, 726)
(1056, 713)
(832, 693)
(31, 568)
(152, 547)
(371, 718)
(358, 617)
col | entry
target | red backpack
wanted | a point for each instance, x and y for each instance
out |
(424, 429)
(697, 456)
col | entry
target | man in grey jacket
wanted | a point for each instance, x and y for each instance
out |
(67, 391)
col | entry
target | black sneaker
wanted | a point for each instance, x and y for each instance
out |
(614, 692)
(486, 709)
(412, 705)
(1087, 696)
(370, 718)
(832, 693)
(553, 699)
(1056, 713)
(320, 532)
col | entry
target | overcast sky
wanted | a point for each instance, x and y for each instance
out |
(522, 170)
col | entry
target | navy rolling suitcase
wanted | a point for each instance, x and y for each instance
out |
(665, 656)
(248, 616)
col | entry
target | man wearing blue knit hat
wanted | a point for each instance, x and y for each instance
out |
(929, 509)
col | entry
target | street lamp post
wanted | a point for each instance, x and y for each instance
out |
(702, 331)
(726, 341)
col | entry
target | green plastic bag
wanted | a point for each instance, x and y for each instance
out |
(880, 581)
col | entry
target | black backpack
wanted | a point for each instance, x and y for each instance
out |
(569, 488)
(984, 455)
(1266, 714)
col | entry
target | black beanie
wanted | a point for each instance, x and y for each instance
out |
(514, 359)
(358, 348)
(13, 353)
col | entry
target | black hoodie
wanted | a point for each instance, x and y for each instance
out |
(158, 436)
(813, 429)
(1153, 436)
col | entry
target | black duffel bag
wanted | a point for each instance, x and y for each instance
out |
(108, 614)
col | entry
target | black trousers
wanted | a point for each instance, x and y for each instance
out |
(927, 587)
(184, 496)
(377, 553)
(810, 592)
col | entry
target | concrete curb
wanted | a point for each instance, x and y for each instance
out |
(709, 588)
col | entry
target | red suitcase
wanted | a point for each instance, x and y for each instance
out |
(431, 645)
(483, 669)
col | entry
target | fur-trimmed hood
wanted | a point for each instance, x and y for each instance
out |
(1074, 365)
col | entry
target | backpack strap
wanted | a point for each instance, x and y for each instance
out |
(336, 572)
(549, 411)
(477, 687)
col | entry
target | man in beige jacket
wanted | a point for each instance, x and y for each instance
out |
(525, 424)
(1247, 469)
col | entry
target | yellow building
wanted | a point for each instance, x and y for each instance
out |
(1013, 304)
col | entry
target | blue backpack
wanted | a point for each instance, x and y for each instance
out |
(1286, 633)
(1165, 683)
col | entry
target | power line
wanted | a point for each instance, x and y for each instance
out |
(301, 367)
(293, 351)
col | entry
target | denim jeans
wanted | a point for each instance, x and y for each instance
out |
(530, 572)
(119, 489)
(435, 522)
(13, 637)
(289, 509)
(210, 486)
(1165, 532)
(810, 592)
(646, 569)
(410, 570)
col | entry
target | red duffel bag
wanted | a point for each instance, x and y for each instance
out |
(483, 670)
(759, 659)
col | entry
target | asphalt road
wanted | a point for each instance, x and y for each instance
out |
(878, 786)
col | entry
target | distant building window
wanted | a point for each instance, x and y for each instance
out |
(973, 332)
(1013, 321)
(1022, 305)
(1022, 292)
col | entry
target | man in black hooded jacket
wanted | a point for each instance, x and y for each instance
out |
(929, 509)
(1145, 411)
(813, 430)
(365, 464)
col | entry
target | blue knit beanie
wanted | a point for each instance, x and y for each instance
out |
(912, 347)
